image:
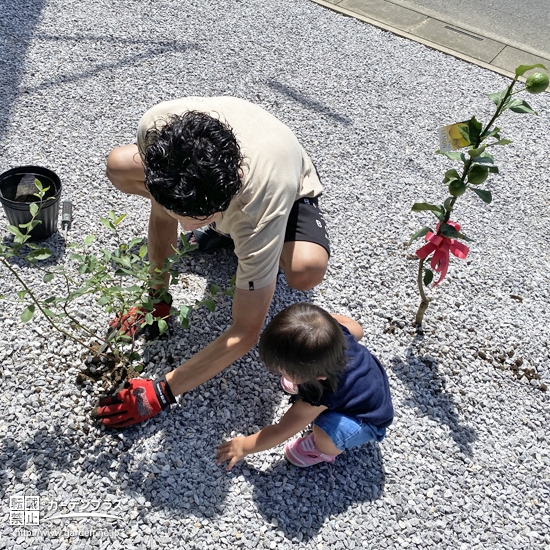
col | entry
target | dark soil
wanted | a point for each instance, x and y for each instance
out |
(106, 370)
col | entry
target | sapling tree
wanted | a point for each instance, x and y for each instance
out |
(475, 140)
(118, 281)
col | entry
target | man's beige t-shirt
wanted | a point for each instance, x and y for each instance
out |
(277, 172)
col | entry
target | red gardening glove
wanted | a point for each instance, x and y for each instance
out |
(135, 401)
(130, 323)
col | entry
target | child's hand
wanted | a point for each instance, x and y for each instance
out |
(231, 450)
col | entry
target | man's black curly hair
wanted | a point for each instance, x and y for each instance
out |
(192, 164)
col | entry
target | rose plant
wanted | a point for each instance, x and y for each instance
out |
(477, 164)
(121, 282)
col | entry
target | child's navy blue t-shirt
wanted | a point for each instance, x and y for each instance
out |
(363, 389)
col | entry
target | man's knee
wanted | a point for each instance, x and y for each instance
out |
(125, 171)
(304, 264)
(306, 277)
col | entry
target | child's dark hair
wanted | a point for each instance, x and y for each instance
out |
(192, 164)
(304, 342)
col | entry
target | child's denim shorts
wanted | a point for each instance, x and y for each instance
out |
(346, 431)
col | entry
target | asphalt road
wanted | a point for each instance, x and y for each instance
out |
(521, 24)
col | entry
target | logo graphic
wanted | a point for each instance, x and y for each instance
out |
(25, 510)
(143, 406)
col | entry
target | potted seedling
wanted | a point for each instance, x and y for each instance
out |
(18, 196)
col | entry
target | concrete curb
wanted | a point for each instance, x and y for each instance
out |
(413, 23)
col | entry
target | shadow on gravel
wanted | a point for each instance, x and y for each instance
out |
(300, 501)
(17, 24)
(56, 244)
(170, 461)
(428, 396)
(160, 48)
(307, 102)
(46, 453)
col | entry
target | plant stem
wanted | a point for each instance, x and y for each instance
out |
(37, 303)
(425, 301)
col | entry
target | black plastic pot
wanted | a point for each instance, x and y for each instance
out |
(16, 198)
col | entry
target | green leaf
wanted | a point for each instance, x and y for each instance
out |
(125, 261)
(457, 188)
(149, 319)
(484, 195)
(33, 209)
(48, 277)
(89, 239)
(493, 169)
(428, 276)
(474, 130)
(421, 206)
(476, 152)
(451, 175)
(477, 174)
(210, 304)
(449, 231)
(147, 304)
(27, 314)
(107, 223)
(447, 203)
(121, 271)
(465, 132)
(522, 69)
(39, 254)
(420, 233)
(139, 369)
(143, 251)
(520, 106)
(104, 300)
(486, 158)
(15, 230)
(502, 142)
(49, 312)
(38, 184)
(214, 289)
(163, 326)
(135, 242)
(453, 155)
(493, 133)
(30, 225)
(119, 219)
(185, 312)
(497, 97)
(22, 293)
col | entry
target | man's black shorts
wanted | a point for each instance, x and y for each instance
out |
(306, 223)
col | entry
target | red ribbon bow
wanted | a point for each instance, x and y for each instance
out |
(441, 246)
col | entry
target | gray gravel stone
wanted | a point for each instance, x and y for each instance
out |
(465, 464)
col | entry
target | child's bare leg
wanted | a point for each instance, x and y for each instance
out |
(324, 443)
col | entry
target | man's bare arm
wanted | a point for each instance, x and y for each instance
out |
(249, 311)
(162, 236)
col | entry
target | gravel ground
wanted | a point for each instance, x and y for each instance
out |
(466, 463)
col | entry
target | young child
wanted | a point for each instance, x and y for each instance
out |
(338, 385)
